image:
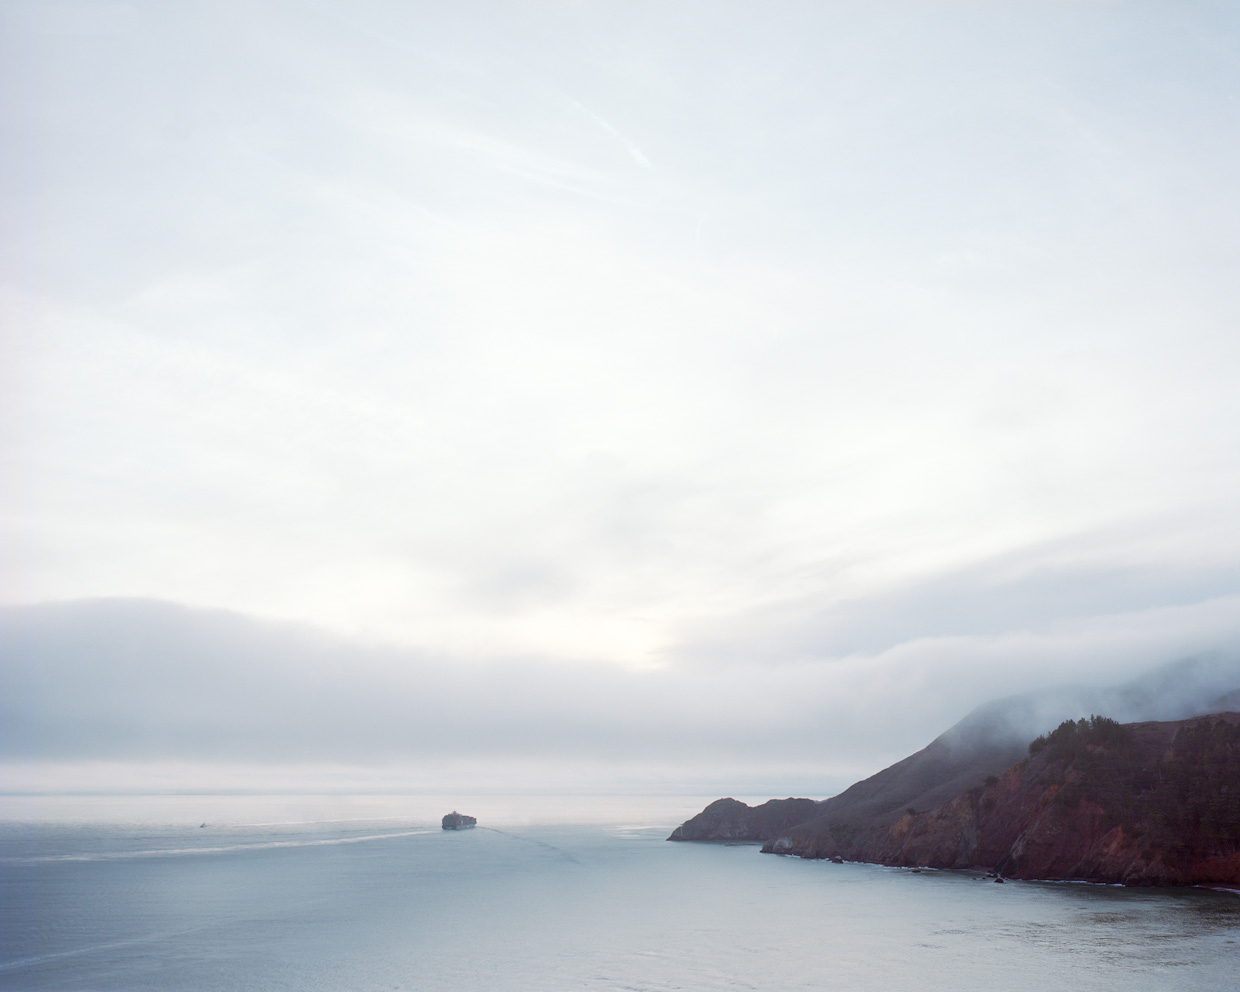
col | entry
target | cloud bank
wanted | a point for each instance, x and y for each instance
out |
(140, 682)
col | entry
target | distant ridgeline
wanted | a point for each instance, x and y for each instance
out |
(1155, 803)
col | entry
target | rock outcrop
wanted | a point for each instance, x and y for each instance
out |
(733, 820)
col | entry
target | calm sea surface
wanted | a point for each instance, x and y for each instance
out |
(334, 893)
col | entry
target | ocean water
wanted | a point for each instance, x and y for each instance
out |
(368, 893)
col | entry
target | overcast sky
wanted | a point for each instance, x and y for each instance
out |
(685, 347)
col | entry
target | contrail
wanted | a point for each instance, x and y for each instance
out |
(635, 153)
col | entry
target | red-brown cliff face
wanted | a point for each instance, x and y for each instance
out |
(1141, 804)
(864, 821)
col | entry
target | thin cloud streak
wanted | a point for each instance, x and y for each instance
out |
(635, 153)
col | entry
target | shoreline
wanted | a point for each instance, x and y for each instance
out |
(990, 873)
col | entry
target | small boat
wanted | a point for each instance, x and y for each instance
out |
(458, 821)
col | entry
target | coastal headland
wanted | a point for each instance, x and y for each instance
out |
(1153, 803)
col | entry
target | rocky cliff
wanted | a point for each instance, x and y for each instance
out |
(1154, 803)
(732, 820)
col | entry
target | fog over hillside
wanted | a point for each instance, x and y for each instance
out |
(148, 691)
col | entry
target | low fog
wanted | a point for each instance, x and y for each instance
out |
(115, 693)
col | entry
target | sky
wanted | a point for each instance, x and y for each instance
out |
(767, 385)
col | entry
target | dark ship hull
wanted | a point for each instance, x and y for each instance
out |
(458, 821)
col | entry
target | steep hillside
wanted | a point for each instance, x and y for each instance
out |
(1141, 804)
(986, 742)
